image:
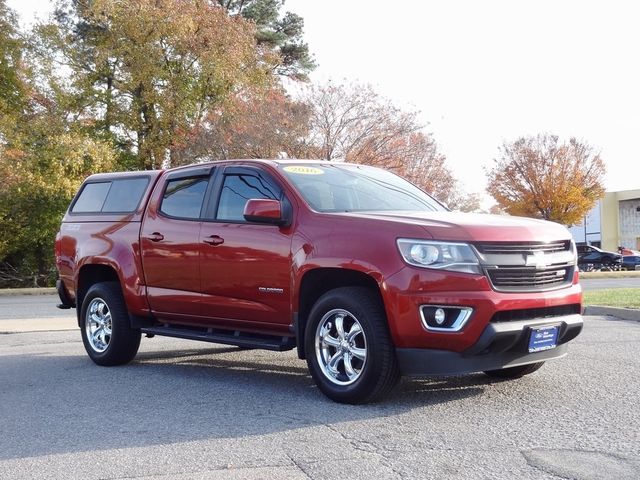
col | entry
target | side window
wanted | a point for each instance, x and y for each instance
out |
(91, 198)
(125, 195)
(237, 189)
(183, 197)
(113, 196)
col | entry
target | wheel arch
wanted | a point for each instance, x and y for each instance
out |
(90, 274)
(318, 281)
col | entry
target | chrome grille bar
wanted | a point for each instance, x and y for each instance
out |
(527, 266)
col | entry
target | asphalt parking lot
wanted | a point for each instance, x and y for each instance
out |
(193, 410)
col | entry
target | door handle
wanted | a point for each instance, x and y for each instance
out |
(156, 237)
(214, 240)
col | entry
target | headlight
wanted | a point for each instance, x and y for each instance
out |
(457, 257)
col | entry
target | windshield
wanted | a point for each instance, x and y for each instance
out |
(356, 188)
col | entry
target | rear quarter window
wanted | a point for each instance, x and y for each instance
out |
(111, 196)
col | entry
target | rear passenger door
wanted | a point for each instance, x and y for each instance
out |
(169, 240)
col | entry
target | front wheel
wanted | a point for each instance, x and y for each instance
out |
(349, 350)
(106, 332)
(514, 372)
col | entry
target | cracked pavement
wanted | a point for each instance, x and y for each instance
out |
(189, 410)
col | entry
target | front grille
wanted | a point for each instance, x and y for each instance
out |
(523, 248)
(529, 278)
(527, 266)
(533, 313)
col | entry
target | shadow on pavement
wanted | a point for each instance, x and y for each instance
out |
(56, 403)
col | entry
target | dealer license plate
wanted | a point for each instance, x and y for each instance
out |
(543, 338)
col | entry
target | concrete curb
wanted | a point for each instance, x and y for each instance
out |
(618, 274)
(622, 313)
(46, 324)
(10, 292)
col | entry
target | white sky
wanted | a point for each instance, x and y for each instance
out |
(485, 71)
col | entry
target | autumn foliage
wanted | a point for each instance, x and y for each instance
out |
(262, 123)
(354, 123)
(137, 84)
(104, 85)
(545, 178)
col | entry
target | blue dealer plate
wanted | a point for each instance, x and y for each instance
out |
(543, 338)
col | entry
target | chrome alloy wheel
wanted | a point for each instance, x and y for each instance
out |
(97, 324)
(341, 347)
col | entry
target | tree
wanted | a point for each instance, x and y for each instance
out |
(39, 181)
(282, 34)
(146, 72)
(259, 124)
(43, 160)
(353, 122)
(356, 124)
(544, 178)
(11, 86)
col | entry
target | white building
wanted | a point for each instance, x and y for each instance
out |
(589, 232)
(614, 222)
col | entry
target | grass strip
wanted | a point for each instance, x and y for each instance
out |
(614, 297)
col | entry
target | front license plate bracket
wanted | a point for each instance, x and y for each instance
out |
(543, 338)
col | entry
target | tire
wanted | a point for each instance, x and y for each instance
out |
(514, 372)
(358, 365)
(106, 332)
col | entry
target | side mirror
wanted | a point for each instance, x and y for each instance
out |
(265, 211)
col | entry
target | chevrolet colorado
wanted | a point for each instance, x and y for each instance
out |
(367, 276)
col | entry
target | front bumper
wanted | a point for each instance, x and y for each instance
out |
(410, 288)
(500, 345)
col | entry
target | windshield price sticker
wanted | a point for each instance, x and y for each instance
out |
(303, 170)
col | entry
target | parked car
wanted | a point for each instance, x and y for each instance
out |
(631, 262)
(366, 275)
(594, 255)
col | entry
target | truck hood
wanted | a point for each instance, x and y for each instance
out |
(471, 227)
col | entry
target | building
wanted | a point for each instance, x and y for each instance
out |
(589, 231)
(614, 222)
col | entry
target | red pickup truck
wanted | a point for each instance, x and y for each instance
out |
(367, 276)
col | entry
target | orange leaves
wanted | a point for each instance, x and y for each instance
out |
(256, 123)
(540, 177)
(354, 123)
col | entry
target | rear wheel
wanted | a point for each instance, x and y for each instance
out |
(514, 372)
(349, 349)
(106, 332)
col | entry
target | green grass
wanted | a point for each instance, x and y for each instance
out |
(620, 274)
(614, 297)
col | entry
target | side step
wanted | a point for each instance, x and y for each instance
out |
(227, 337)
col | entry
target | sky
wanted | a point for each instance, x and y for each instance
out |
(485, 72)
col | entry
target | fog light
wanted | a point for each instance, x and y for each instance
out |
(444, 318)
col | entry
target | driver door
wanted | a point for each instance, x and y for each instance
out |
(245, 266)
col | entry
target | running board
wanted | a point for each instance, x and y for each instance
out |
(227, 337)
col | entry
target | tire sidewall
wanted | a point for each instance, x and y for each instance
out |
(119, 323)
(95, 292)
(372, 368)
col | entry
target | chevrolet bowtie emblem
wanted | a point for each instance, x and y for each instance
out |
(536, 259)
